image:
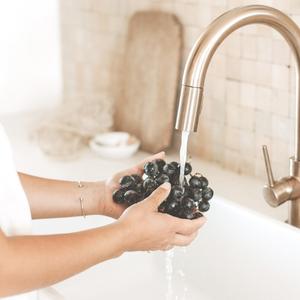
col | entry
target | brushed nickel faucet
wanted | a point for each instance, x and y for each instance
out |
(191, 96)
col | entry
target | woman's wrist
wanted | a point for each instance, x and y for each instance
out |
(92, 194)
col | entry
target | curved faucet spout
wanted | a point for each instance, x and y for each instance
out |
(191, 96)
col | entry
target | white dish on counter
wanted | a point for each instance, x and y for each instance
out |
(115, 145)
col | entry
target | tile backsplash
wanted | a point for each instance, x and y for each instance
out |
(249, 90)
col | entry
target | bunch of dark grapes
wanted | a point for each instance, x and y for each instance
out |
(186, 201)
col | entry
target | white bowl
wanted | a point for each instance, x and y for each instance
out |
(115, 145)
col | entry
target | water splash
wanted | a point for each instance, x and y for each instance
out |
(169, 274)
(183, 154)
(177, 288)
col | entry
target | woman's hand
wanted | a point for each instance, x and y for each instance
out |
(107, 206)
(147, 229)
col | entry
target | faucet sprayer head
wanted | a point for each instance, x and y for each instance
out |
(189, 108)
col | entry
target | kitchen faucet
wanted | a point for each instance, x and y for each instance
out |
(191, 96)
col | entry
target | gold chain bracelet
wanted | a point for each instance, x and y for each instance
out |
(81, 199)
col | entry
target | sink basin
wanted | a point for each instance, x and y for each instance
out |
(239, 254)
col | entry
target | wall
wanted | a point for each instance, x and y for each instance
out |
(30, 73)
(249, 92)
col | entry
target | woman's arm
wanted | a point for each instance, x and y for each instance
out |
(32, 262)
(50, 198)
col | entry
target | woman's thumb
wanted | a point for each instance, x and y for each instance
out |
(159, 195)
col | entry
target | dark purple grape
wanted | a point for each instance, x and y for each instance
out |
(139, 188)
(195, 182)
(149, 184)
(172, 207)
(160, 164)
(197, 194)
(174, 179)
(175, 164)
(188, 204)
(189, 215)
(188, 191)
(187, 169)
(208, 194)
(151, 169)
(127, 181)
(137, 178)
(204, 182)
(118, 196)
(203, 206)
(169, 169)
(177, 192)
(162, 179)
(132, 197)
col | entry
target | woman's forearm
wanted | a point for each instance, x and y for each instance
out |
(32, 262)
(49, 198)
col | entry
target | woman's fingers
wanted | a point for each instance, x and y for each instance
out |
(187, 227)
(158, 196)
(184, 240)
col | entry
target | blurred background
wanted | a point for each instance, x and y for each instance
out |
(57, 56)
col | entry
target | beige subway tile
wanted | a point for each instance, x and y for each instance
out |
(218, 65)
(263, 71)
(218, 112)
(280, 150)
(233, 3)
(232, 138)
(111, 7)
(248, 95)
(247, 165)
(188, 14)
(218, 91)
(248, 70)
(233, 115)
(280, 77)
(249, 46)
(233, 45)
(264, 48)
(281, 127)
(247, 143)
(231, 160)
(280, 102)
(263, 123)
(233, 91)
(233, 68)
(263, 98)
(191, 35)
(217, 133)
(292, 77)
(264, 31)
(281, 52)
(281, 5)
(247, 120)
(260, 170)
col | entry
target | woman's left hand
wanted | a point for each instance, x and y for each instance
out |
(107, 206)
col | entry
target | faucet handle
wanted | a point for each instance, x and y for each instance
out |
(271, 180)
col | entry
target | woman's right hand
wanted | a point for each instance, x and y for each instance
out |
(147, 229)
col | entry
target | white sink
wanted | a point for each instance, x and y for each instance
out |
(238, 255)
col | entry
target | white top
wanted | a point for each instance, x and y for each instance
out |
(15, 216)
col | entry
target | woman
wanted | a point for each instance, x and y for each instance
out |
(29, 263)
